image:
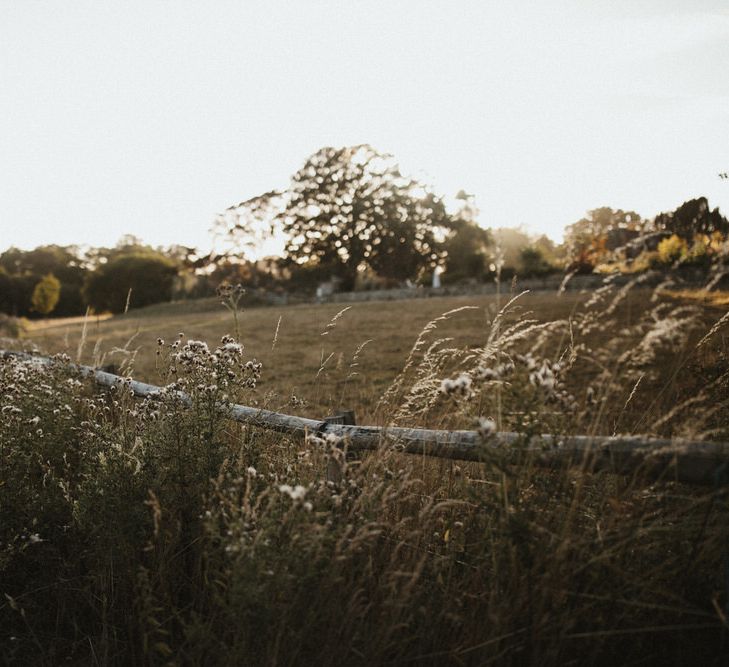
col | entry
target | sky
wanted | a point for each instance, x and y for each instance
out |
(151, 117)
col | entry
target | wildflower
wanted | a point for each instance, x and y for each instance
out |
(544, 378)
(485, 428)
(529, 361)
(230, 346)
(590, 396)
(483, 374)
(251, 471)
(505, 369)
(459, 387)
(296, 493)
(330, 440)
(199, 346)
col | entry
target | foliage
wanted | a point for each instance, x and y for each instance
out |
(523, 254)
(267, 274)
(583, 263)
(350, 208)
(139, 278)
(672, 249)
(15, 293)
(156, 531)
(701, 253)
(307, 276)
(20, 272)
(11, 327)
(138, 532)
(534, 263)
(691, 218)
(553, 254)
(46, 294)
(602, 230)
(467, 244)
(510, 241)
(467, 251)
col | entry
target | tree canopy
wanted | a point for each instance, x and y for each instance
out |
(467, 244)
(591, 239)
(601, 226)
(691, 218)
(23, 269)
(351, 208)
(149, 275)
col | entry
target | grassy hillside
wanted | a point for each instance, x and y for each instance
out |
(151, 532)
(306, 355)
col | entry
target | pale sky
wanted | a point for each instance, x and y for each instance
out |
(148, 118)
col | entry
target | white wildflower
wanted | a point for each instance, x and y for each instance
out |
(485, 428)
(459, 387)
(483, 374)
(296, 493)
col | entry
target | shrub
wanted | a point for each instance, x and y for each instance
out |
(671, 250)
(699, 254)
(533, 263)
(12, 327)
(582, 263)
(46, 294)
(138, 279)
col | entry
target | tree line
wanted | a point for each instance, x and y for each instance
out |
(350, 216)
(64, 281)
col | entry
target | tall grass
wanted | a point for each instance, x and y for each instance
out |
(157, 532)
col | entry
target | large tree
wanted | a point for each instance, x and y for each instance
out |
(350, 208)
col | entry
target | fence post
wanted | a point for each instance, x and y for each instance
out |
(336, 460)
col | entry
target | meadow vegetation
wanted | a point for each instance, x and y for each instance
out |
(157, 531)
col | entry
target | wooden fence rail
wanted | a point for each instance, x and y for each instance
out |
(690, 461)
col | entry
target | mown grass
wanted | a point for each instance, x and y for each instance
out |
(154, 533)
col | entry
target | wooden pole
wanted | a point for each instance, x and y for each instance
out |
(337, 458)
(690, 461)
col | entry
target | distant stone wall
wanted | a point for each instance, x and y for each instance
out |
(546, 284)
(551, 283)
(682, 277)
